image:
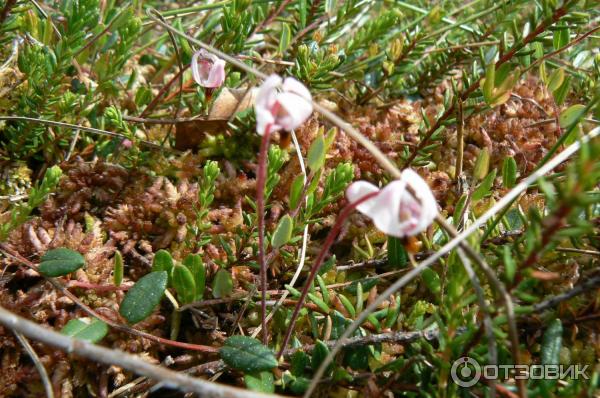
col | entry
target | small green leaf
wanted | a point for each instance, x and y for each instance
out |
(92, 330)
(285, 38)
(347, 305)
(487, 83)
(198, 270)
(320, 303)
(247, 354)
(509, 172)
(296, 191)
(59, 262)
(294, 292)
(316, 153)
(118, 269)
(319, 354)
(222, 285)
(323, 287)
(510, 266)
(571, 115)
(560, 94)
(432, 280)
(561, 37)
(459, 208)
(397, 256)
(551, 343)
(260, 381)
(482, 164)
(283, 232)
(183, 282)
(144, 296)
(162, 262)
(374, 321)
(556, 79)
(393, 314)
(302, 9)
(484, 188)
(299, 362)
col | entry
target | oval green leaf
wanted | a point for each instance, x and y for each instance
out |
(183, 282)
(316, 153)
(162, 262)
(247, 354)
(61, 261)
(260, 381)
(222, 285)
(296, 190)
(144, 296)
(485, 187)
(92, 330)
(571, 115)
(552, 343)
(283, 232)
(509, 172)
(198, 270)
(118, 269)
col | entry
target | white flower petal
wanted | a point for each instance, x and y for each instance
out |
(359, 189)
(297, 110)
(195, 70)
(294, 86)
(266, 95)
(216, 76)
(386, 211)
(429, 208)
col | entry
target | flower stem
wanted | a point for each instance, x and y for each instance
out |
(339, 222)
(261, 179)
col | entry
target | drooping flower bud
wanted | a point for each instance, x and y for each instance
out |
(208, 69)
(283, 108)
(394, 210)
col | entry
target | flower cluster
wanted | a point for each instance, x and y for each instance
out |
(394, 210)
(208, 69)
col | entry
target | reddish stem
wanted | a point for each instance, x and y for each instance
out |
(339, 222)
(97, 288)
(261, 179)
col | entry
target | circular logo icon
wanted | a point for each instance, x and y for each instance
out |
(465, 372)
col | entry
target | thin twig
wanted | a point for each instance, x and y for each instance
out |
(38, 365)
(578, 251)
(460, 127)
(487, 319)
(590, 284)
(78, 127)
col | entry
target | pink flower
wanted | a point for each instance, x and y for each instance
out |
(283, 109)
(394, 210)
(208, 69)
